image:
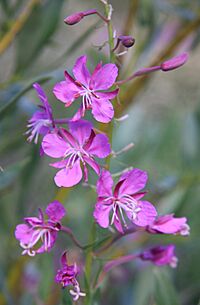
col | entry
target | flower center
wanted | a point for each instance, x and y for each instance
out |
(87, 98)
(126, 204)
(35, 128)
(44, 235)
(74, 154)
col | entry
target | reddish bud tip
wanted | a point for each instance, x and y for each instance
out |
(74, 18)
(174, 62)
(127, 41)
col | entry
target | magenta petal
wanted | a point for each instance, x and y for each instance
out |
(80, 71)
(63, 259)
(147, 214)
(161, 255)
(100, 146)
(101, 213)
(34, 221)
(59, 164)
(55, 210)
(93, 164)
(135, 180)
(78, 115)
(65, 92)
(44, 99)
(168, 224)
(105, 184)
(23, 233)
(81, 130)
(69, 176)
(102, 110)
(67, 136)
(105, 77)
(108, 95)
(54, 146)
(96, 69)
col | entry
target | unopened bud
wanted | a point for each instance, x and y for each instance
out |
(77, 17)
(127, 41)
(174, 62)
(74, 18)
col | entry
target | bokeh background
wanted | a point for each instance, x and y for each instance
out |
(163, 124)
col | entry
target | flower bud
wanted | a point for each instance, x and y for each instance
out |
(174, 62)
(127, 41)
(161, 255)
(74, 18)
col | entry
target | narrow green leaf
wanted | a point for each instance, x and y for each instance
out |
(143, 291)
(6, 108)
(98, 243)
(164, 293)
(37, 32)
(8, 175)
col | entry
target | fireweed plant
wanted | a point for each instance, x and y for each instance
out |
(120, 207)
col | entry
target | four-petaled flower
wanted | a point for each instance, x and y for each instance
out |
(66, 276)
(125, 198)
(161, 255)
(78, 145)
(42, 120)
(168, 224)
(39, 235)
(90, 88)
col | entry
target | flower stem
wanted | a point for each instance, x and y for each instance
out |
(108, 128)
(61, 121)
(110, 32)
(88, 264)
(113, 240)
(71, 235)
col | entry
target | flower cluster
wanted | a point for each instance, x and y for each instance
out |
(77, 146)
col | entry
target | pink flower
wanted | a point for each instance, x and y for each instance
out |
(42, 120)
(90, 88)
(124, 199)
(66, 276)
(41, 232)
(168, 224)
(161, 255)
(78, 145)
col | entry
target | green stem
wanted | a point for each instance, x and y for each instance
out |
(110, 34)
(109, 127)
(88, 266)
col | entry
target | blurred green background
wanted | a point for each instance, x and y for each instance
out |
(163, 123)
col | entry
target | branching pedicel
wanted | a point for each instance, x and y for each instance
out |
(77, 146)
